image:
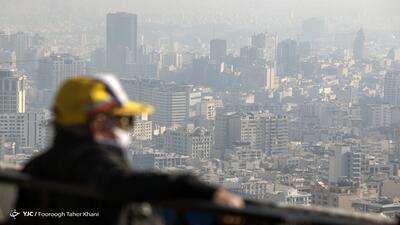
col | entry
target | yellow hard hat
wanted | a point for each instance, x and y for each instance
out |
(82, 97)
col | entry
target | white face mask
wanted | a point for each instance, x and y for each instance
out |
(122, 137)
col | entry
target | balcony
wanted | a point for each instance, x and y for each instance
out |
(254, 212)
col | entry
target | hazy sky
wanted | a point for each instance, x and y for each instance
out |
(177, 6)
(346, 14)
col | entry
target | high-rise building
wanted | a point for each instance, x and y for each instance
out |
(271, 80)
(172, 61)
(276, 134)
(223, 133)
(20, 42)
(208, 107)
(25, 49)
(4, 40)
(344, 162)
(213, 71)
(356, 164)
(218, 50)
(8, 59)
(287, 58)
(121, 41)
(251, 129)
(174, 140)
(29, 63)
(358, 46)
(231, 127)
(170, 100)
(339, 163)
(392, 88)
(377, 115)
(12, 91)
(258, 40)
(271, 47)
(54, 69)
(261, 130)
(25, 129)
(195, 103)
(312, 29)
(196, 142)
(143, 129)
(199, 143)
(199, 70)
(97, 62)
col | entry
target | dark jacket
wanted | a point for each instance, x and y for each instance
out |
(102, 167)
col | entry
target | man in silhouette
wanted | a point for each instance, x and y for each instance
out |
(92, 119)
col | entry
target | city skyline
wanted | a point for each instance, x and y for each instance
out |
(301, 107)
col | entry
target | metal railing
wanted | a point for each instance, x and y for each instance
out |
(253, 213)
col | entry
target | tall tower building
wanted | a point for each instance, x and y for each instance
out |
(392, 88)
(276, 134)
(344, 162)
(218, 50)
(121, 41)
(258, 40)
(271, 79)
(223, 133)
(97, 62)
(271, 46)
(287, 58)
(20, 42)
(199, 70)
(339, 163)
(170, 100)
(4, 40)
(12, 92)
(358, 46)
(55, 69)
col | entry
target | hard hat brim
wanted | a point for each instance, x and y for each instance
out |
(132, 108)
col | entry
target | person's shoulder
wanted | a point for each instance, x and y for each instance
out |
(100, 149)
(35, 162)
(100, 153)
